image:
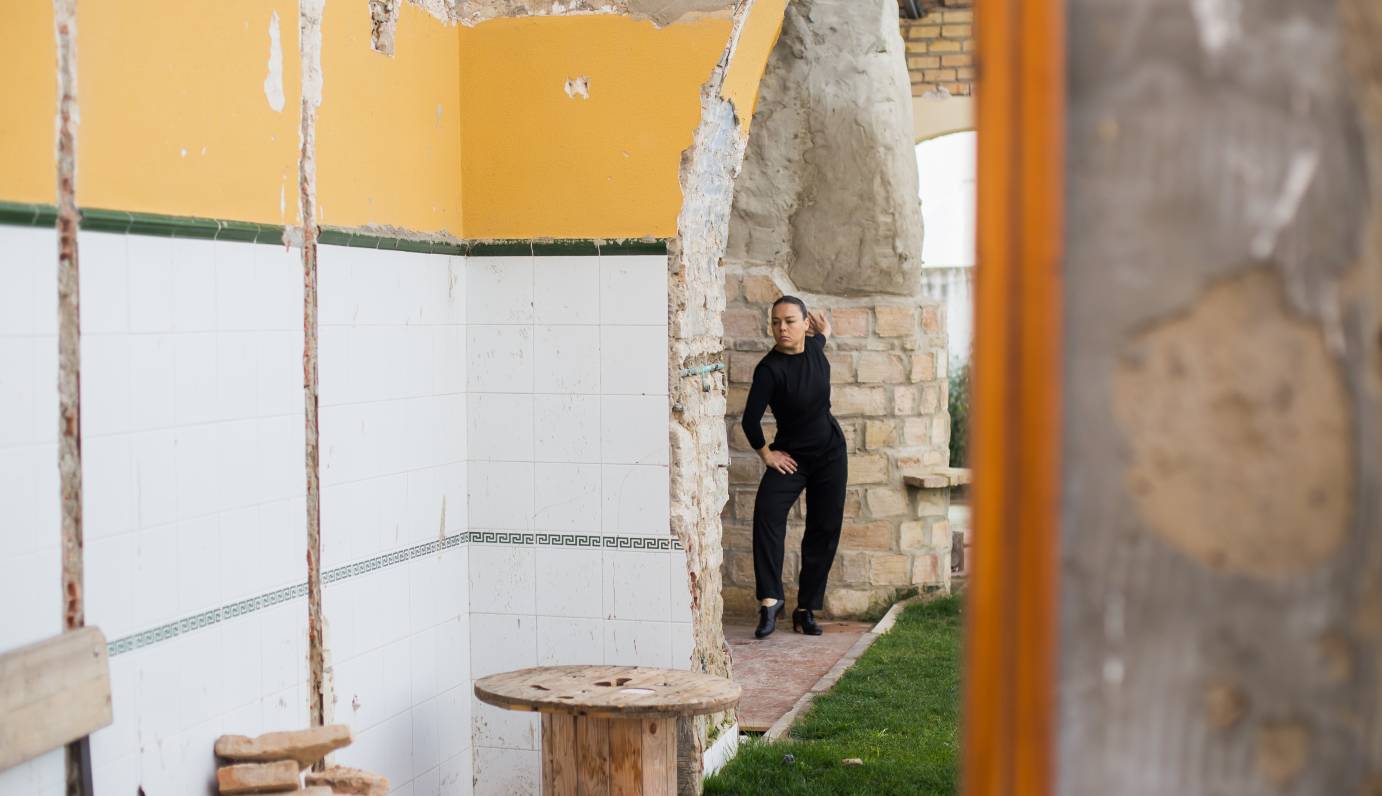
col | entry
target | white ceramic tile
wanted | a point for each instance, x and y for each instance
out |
(499, 290)
(105, 299)
(239, 296)
(106, 376)
(198, 567)
(454, 724)
(563, 641)
(452, 432)
(397, 693)
(638, 643)
(386, 748)
(633, 290)
(453, 654)
(502, 579)
(110, 565)
(678, 587)
(284, 708)
(570, 582)
(284, 641)
(567, 359)
(633, 360)
(30, 581)
(43, 776)
(683, 645)
(636, 585)
(636, 499)
(156, 585)
(423, 665)
(335, 294)
(194, 284)
(566, 290)
(29, 273)
(153, 382)
(241, 540)
(566, 428)
(152, 276)
(278, 274)
(241, 663)
(29, 499)
(500, 427)
(634, 429)
(279, 373)
(426, 743)
(237, 464)
(379, 612)
(378, 287)
(199, 697)
(235, 377)
(505, 772)
(453, 488)
(195, 380)
(500, 496)
(333, 366)
(279, 471)
(499, 359)
(566, 497)
(153, 455)
(427, 783)
(505, 729)
(501, 643)
(449, 360)
(283, 540)
(109, 503)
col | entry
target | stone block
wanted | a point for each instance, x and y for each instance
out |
(735, 397)
(848, 602)
(854, 568)
(272, 777)
(868, 468)
(853, 503)
(760, 290)
(931, 503)
(741, 365)
(923, 367)
(906, 401)
(926, 569)
(745, 469)
(743, 503)
(916, 431)
(352, 781)
(879, 434)
(930, 399)
(852, 435)
(841, 367)
(791, 566)
(858, 400)
(745, 323)
(887, 501)
(850, 321)
(940, 430)
(912, 536)
(740, 567)
(877, 535)
(890, 570)
(757, 345)
(931, 320)
(739, 600)
(305, 747)
(732, 292)
(881, 367)
(941, 535)
(795, 530)
(895, 320)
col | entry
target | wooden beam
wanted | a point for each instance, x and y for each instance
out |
(1009, 736)
(53, 693)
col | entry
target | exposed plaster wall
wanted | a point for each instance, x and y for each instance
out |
(659, 12)
(833, 142)
(1222, 511)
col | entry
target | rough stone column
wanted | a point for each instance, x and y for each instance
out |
(1221, 610)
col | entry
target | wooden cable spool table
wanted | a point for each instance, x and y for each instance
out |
(608, 729)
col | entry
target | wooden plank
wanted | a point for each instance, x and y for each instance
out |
(592, 753)
(52, 693)
(626, 757)
(608, 691)
(549, 774)
(560, 756)
(659, 756)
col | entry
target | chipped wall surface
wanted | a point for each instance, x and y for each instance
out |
(659, 12)
(597, 163)
(1222, 509)
(832, 140)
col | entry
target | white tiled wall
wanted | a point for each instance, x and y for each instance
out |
(568, 433)
(517, 394)
(393, 431)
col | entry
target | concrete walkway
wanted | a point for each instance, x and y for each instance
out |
(778, 670)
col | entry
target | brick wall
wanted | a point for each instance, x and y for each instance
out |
(888, 359)
(940, 49)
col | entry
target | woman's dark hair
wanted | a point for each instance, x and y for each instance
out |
(801, 305)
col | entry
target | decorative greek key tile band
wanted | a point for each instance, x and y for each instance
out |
(269, 599)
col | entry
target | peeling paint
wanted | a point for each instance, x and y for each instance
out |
(578, 87)
(660, 12)
(273, 83)
(1298, 177)
(384, 24)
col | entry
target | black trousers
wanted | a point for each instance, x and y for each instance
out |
(823, 477)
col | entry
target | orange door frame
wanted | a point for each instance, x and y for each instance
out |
(1009, 742)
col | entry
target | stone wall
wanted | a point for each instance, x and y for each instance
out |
(888, 360)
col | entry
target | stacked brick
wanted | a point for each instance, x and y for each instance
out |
(940, 51)
(889, 393)
(275, 763)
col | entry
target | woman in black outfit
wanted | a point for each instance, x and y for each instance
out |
(807, 453)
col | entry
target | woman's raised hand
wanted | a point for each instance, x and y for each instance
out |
(817, 324)
(778, 460)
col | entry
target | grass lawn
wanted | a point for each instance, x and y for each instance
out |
(897, 709)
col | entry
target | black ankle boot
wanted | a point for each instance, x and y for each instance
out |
(767, 618)
(803, 621)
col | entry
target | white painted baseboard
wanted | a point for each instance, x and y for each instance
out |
(722, 751)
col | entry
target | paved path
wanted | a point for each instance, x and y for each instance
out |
(776, 671)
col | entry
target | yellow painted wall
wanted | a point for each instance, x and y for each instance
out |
(538, 163)
(174, 115)
(756, 39)
(28, 165)
(389, 127)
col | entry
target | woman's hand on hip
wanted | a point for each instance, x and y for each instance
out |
(778, 460)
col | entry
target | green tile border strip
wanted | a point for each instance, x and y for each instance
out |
(165, 226)
(259, 602)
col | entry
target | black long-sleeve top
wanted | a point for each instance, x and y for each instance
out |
(797, 388)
